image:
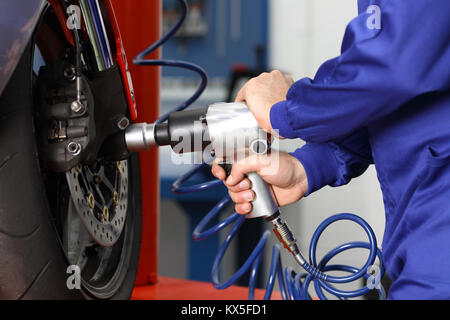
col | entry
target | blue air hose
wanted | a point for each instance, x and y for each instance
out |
(293, 286)
(140, 60)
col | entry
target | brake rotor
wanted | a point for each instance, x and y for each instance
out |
(100, 196)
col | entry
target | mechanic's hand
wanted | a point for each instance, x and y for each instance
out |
(262, 92)
(279, 169)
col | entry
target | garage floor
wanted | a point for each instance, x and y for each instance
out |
(178, 289)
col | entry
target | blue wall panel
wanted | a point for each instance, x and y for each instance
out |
(218, 50)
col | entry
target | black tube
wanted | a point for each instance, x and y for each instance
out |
(162, 136)
(184, 131)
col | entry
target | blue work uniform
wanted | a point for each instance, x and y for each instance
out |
(385, 101)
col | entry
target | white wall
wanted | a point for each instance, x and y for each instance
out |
(303, 34)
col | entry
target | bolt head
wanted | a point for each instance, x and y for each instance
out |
(76, 106)
(123, 123)
(69, 73)
(74, 148)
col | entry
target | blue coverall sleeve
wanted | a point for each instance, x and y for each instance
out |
(335, 163)
(381, 67)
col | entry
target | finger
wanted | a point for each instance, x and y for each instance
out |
(243, 208)
(242, 197)
(240, 97)
(241, 168)
(241, 186)
(242, 94)
(218, 171)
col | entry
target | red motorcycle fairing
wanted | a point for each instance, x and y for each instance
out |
(121, 59)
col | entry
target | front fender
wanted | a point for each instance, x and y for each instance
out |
(18, 19)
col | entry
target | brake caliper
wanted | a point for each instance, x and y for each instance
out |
(65, 126)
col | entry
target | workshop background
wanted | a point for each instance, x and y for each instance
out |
(231, 40)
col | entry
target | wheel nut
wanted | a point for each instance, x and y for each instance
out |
(91, 201)
(105, 214)
(116, 198)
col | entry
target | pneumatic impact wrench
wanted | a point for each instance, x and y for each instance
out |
(231, 131)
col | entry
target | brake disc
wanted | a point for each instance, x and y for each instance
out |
(100, 196)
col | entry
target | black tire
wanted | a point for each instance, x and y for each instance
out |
(33, 264)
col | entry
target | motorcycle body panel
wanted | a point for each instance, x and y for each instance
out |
(18, 20)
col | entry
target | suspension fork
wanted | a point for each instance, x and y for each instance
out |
(99, 26)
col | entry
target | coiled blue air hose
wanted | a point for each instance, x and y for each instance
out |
(293, 286)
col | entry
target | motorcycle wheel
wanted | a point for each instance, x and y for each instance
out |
(40, 232)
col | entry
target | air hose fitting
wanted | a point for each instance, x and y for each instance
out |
(287, 239)
(285, 236)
